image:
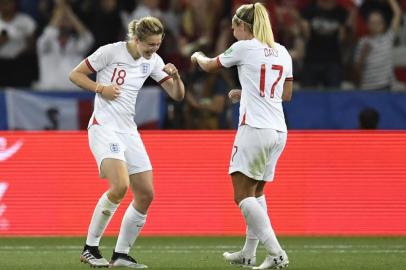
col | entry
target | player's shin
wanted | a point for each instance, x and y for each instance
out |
(131, 226)
(102, 215)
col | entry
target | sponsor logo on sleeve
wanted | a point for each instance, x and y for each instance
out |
(228, 51)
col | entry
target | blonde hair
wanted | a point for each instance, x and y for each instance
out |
(145, 27)
(256, 19)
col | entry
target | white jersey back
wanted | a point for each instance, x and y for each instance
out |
(262, 71)
(114, 65)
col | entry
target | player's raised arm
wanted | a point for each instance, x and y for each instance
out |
(206, 63)
(174, 86)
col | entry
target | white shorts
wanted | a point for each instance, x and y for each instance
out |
(128, 147)
(256, 152)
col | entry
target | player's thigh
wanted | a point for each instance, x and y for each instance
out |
(105, 144)
(274, 155)
(116, 172)
(142, 184)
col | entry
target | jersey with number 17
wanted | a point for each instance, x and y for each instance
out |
(115, 65)
(262, 72)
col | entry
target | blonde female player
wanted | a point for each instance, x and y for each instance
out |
(265, 74)
(122, 68)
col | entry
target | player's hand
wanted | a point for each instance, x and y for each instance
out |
(191, 100)
(171, 70)
(111, 92)
(234, 95)
(194, 56)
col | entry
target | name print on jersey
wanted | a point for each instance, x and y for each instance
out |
(271, 52)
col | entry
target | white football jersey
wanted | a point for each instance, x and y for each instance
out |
(262, 71)
(115, 65)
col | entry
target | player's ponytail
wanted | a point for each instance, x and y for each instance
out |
(146, 26)
(256, 19)
(262, 25)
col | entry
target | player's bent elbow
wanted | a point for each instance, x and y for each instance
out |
(179, 97)
(72, 76)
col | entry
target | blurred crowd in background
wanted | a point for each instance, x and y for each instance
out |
(335, 45)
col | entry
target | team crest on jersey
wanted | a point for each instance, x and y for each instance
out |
(228, 51)
(145, 68)
(114, 147)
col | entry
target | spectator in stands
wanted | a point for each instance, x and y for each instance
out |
(105, 23)
(373, 57)
(325, 28)
(289, 34)
(172, 17)
(170, 50)
(143, 8)
(45, 11)
(369, 6)
(368, 119)
(197, 27)
(61, 47)
(17, 46)
(206, 97)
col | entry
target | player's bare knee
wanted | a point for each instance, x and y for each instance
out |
(118, 191)
(122, 190)
(146, 198)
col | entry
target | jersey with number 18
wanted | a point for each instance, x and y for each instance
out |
(114, 65)
(262, 71)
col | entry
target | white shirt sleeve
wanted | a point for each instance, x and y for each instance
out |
(232, 56)
(157, 73)
(289, 66)
(100, 58)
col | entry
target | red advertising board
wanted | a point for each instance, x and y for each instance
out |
(327, 183)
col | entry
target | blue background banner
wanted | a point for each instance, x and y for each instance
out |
(307, 110)
(340, 110)
(3, 111)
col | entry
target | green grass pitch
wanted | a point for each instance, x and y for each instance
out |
(188, 253)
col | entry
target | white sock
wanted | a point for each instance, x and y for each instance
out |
(132, 223)
(251, 240)
(259, 223)
(102, 215)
